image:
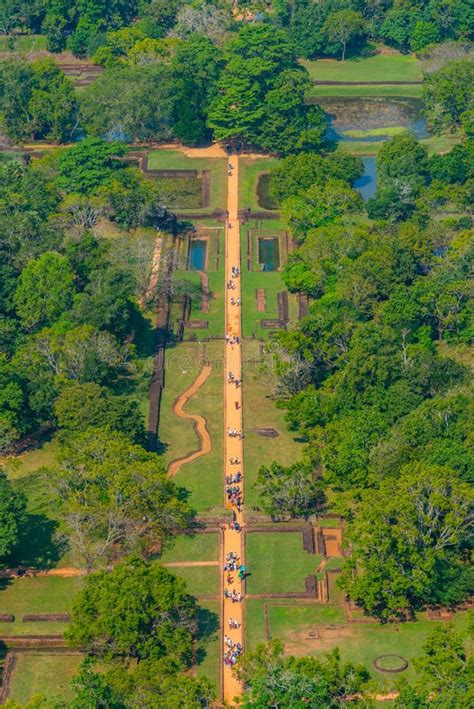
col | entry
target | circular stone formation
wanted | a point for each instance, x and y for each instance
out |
(390, 663)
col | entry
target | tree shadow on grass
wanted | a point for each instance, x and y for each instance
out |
(208, 623)
(37, 547)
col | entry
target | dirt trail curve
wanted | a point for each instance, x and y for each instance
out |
(233, 447)
(200, 423)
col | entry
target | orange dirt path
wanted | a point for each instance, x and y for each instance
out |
(233, 447)
(191, 563)
(200, 423)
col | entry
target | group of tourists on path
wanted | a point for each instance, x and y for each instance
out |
(234, 570)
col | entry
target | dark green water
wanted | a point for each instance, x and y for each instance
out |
(269, 254)
(197, 254)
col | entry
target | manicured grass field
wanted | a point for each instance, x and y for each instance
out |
(277, 563)
(261, 412)
(176, 160)
(396, 90)
(46, 594)
(46, 674)
(184, 547)
(249, 173)
(381, 67)
(203, 478)
(291, 621)
(200, 580)
(284, 614)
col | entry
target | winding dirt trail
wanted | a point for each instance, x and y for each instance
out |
(199, 422)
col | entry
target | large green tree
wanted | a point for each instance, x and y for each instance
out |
(114, 496)
(409, 542)
(259, 100)
(275, 680)
(45, 290)
(139, 610)
(448, 93)
(37, 101)
(289, 492)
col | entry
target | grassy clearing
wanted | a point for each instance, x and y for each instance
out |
(277, 562)
(286, 614)
(21, 466)
(25, 43)
(176, 160)
(442, 143)
(181, 192)
(200, 547)
(354, 90)
(261, 412)
(43, 594)
(389, 131)
(209, 650)
(200, 580)
(249, 173)
(46, 674)
(362, 148)
(203, 478)
(381, 67)
(291, 621)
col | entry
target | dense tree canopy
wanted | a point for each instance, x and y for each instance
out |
(114, 496)
(260, 95)
(139, 610)
(275, 680)
(12, 514)
(409, 543)
(37, 101)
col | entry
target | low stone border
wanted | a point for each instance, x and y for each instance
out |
(7, 674)
(47, 617)
(403, 664)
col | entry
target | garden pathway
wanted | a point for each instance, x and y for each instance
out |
(199, 422)
(233, 447)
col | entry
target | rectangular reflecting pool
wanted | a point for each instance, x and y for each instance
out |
(197, 254)
(269, 254)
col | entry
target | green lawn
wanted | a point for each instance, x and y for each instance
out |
(209, 650)
(181, 192)
(389, 131)
(184, 547)
(23, 43)
(435, 144)
(292, 622)
(285, 615)
(396, 90)
(277, 562)
(249, 173)
(200, 580)
(381, 67)
(202, 478)
(176, 160)
(23, 465)
(261, 412)
(45, 594)
(41, 673)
